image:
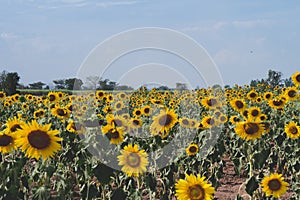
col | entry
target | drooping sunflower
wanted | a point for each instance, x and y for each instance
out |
(114, 134)
(209, 121)
(292, 130)
(296, 78)
(164, 121)
(135, 123)
(249, 130)
(194, 188)
(76, 128)
(37, 140)
(133, 160)
(7, 142)
(13, 124)
(192, 149)
(277, 103)
(274, 185)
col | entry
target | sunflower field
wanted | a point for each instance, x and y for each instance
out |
(150, 144)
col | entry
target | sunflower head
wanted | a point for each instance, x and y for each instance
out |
(133, 160)
(192, 149)
(274, 185)
(249, 130)
(296, 78)
(292, 130)
(38, 140)
(7, 142)
(194, 188)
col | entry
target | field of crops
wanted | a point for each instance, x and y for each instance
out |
(149, 144)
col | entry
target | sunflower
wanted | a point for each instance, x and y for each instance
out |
(60, 112)
(13, 124)
(164, 121)
(116, 120)
(184, 122)
(53, 97)
(137, 112)
(277, 103)
(75, 127)
(254, 112)
(100, 94)
(238, 104)
(146, 110)
(268, 96)
(234, 119)
(118, 105)
(292, 130)
(115, 134)
(274, 185)
(296, 78)
(7, 142)
(194, 188)
(136, 123)
(249, 130)
(133, 160)
(209, 122)
(2, 95)
(38, 140)
(210, 102)
(252, 95)
(291, 93)
(39, 113)
(192, 149)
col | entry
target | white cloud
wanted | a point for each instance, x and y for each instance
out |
(7, 36)
(115, 3)
(249, 23)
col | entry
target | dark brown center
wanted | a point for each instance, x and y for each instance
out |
(39, 139)
(196, 192)
(293, 130)
(193, 149)
(5, 140)
(274, 185)
(133, 160)
(251, 128)
(292, 93)
(165, 120)
(212, 102)
(239, 104)
(52, 97)
(15, 127)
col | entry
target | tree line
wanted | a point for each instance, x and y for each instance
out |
(9, 82)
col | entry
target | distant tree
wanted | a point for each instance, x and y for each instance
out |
(60, 84)
(163, 87)
(37, 85)
(9, 82)
(274, 78)
(123, 87)
(73, 84)
(288, 82)
(47, 87)
(181, 86)
(91, 82)
(106, 84)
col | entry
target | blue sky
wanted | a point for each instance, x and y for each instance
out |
(45, 40)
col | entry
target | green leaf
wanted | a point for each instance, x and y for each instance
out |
(251, 185)
(260, 158)
(119, 194)
(103, 173)
(150, 181)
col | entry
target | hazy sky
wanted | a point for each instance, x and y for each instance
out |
(44, 40)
